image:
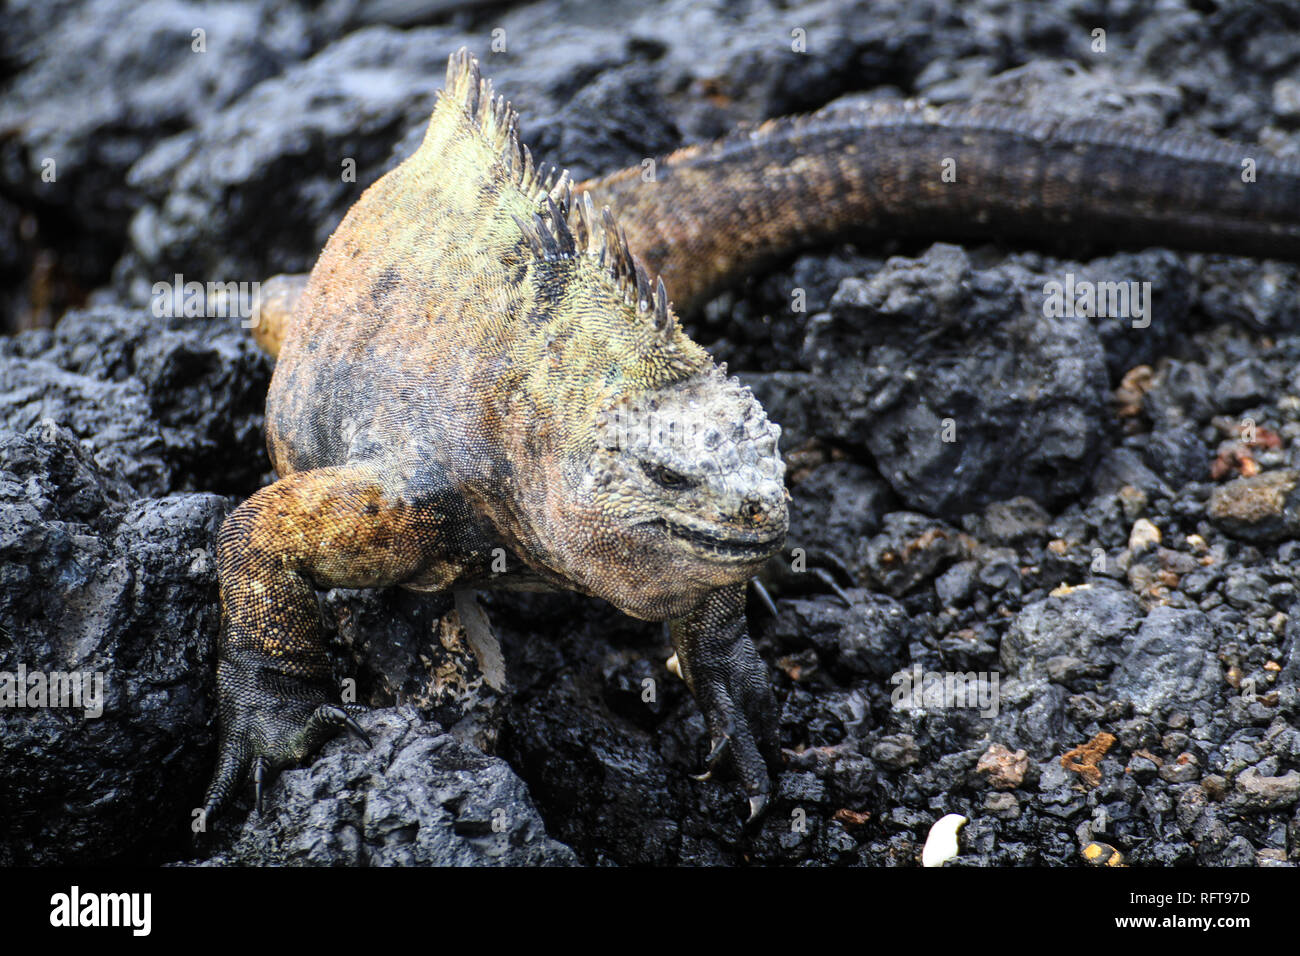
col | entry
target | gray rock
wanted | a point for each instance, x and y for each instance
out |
(1260, 298)
(954, 586)
(1177, 454)
(1185, 769)
(1238, 852)
(909, 550)
(1087, 625)
(1142, 769)
(93, 101)
(112, 420)
(1033, 434)
(1243, 384)
(838, 504)
(896, 751)
(1017, 522)
(1286, 99)
(1124, 467)
(417, 797)
(1181, 394)
(92, 585)
(1256, 791)
(1169, 661)
(871, 637)
(168, 404)
(1245, 588)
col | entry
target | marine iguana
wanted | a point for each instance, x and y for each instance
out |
(480, 364)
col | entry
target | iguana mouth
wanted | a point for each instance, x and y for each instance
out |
(736, 546)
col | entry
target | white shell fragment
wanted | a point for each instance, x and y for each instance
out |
(941, 844)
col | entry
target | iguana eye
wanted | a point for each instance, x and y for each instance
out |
(663, 476)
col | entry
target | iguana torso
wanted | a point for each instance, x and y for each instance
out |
(478, 364)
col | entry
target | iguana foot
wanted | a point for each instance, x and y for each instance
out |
(730, 682)
(269, 720)
(741, 713)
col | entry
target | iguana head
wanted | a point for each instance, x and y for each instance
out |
(691, 474)
(657, 478)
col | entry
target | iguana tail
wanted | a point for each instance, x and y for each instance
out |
(706, 215)
(273, 309)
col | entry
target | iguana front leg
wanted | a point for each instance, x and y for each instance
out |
(330, 527)
(730, 682)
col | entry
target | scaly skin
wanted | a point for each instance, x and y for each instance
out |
(715, 212)
(478, 361)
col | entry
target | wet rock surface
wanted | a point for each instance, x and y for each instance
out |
(122, 589)
(1112, 534)
(416, 797)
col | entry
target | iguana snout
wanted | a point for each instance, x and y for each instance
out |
(699, 461)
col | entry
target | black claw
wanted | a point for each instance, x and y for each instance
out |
(764, 596)
(757, 804)
(217, 796)
(259, 776)
(355, 729)
(825, 577)
(716, 754)
(212, 804)
(225, 781)
(331, 715)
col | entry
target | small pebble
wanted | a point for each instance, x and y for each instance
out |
(941, 844)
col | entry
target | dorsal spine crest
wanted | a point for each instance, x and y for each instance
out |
(560, 228)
